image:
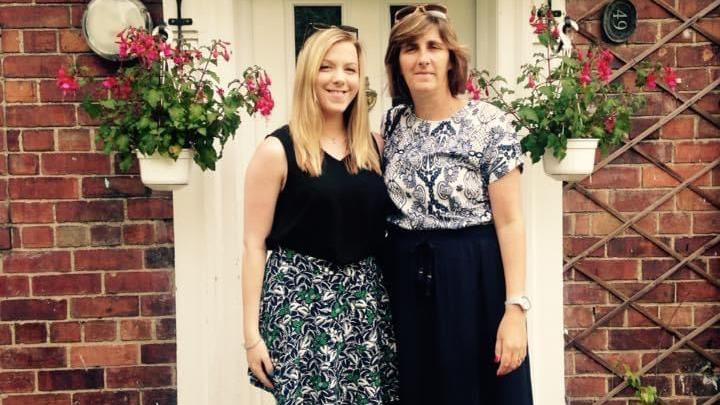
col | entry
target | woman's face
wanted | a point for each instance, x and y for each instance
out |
(338, 79)
(425, 63)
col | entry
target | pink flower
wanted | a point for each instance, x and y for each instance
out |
(585, 77)
(531, 82)
(607, 56)
(265, 105)
(671, 78)
(540, 27)
(610, 123)
(166, 50)
(221, 92)
(651, 81)
(556, 33)
(110, 83)
(532, 15)
(474, 91)
(67, 83)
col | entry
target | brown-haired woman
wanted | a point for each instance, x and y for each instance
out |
(456, 246)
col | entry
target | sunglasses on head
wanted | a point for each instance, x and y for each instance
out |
(435, 10)
(315, 27)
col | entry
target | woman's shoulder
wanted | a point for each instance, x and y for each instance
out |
(489, 113)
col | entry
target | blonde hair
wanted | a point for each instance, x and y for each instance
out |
(407, 31)
(306, 118)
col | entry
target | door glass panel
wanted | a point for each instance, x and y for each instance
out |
(305, 15)
(393, 10)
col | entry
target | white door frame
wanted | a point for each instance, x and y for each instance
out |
(211, 367)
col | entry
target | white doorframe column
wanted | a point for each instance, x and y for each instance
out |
(207, 214)
(505, 41)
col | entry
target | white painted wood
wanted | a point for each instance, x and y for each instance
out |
(208, 212)
(513, 45)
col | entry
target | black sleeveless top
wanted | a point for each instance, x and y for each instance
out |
(337, 216)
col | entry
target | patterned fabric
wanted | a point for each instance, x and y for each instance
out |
(437, 172)
(329, 331)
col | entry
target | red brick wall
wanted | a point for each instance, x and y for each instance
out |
(629, 261)
(86, 281)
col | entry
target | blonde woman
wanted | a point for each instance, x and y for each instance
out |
(316, 317)
(456, 246)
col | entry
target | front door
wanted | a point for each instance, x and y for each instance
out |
(277, 41)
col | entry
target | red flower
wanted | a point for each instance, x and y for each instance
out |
(585, 77)
(556, 33)
(531, 82)
(67, 83)
(610, 123)
(474, 91)
(110, 83)
(671, 78)
(533, 12)
(540, 27)
(651, 81)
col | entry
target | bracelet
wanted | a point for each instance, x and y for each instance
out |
(252, 345)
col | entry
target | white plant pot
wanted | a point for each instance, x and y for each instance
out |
(577, 164)
(162, 173)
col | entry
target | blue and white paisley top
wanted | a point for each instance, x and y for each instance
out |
(437, 172)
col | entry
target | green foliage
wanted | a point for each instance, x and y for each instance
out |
(568, 95)
(647, 394)
(175, 102)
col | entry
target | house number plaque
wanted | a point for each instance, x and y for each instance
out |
(619, 20)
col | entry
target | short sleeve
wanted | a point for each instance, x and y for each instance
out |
(503, 152)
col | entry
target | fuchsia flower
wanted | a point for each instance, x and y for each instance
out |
(651, 82)
(110, 83)
(671, 78)
(604, 69)
(531, 82)
(556, 33)
(539, 26)
(474, 91)
(585, 75)
(66, 82)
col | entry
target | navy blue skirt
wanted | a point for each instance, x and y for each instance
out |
(447, 291)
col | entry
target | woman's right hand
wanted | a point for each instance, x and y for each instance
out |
(260, 364)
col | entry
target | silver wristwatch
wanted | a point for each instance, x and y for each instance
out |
(522, 301)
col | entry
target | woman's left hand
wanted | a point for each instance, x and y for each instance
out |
(511, 345)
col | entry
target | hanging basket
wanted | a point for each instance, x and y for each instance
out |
(162, 173)
(577, 164)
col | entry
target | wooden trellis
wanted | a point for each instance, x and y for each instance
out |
(631, 223)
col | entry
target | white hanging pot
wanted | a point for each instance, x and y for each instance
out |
(577, 164)
(162, 173)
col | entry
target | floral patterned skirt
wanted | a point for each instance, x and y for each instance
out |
(328, 329)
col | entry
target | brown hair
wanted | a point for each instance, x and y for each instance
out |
(408, 30)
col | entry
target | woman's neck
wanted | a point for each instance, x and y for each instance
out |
(434, 107)
(333, 125)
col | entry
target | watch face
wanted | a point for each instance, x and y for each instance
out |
(525, 303)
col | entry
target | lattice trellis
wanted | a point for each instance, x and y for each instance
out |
(632, 222)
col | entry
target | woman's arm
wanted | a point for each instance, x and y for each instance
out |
(264, 179)
(505, 200)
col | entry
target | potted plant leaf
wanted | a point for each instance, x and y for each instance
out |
(570, 106)
(168, 107)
